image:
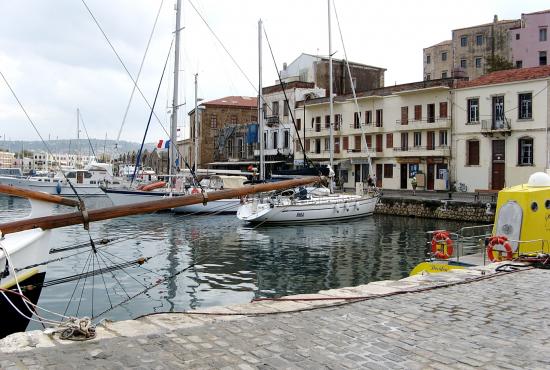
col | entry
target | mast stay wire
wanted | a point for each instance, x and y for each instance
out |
(139, 73)
(363, 133)
(136, 85)
(86, 131)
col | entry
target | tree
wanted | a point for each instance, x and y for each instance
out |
(498, 63)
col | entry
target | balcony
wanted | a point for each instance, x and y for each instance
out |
(272, 120)
(496, 127)
(423, 124)
(368, 128)
(422, 151)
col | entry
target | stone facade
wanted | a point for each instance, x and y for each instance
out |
(438, 61)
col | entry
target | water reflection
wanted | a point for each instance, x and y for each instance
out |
(219, 260)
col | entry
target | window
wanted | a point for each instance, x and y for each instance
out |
(404, 115)
(213, 121)
(285, 108)
(379, 118)
(337, 121)
(389, 140)
(428, 59)
(388, 170)
(444, 74)
(265, 140)
(443, 109)
(264, 109)
(472, 148)
(327, 121)
(356, 120)
(327, 144)
(287, 139)
(543, 34)
(519, 63)
(478, 62)
(542, 58)
(317, 146)
(368, 140)
(275, 107)
(463, 63)
(525, 106)
(308, 145)
(428, 77)
(240, 148)
(298, 124)
(230, 148)
(479, 40)
(413, 169)
(473, 110)
(233, 119)
(525, 151)
(369, 117)
(443, 138)
(404, 141)
(444, 56)
(417, 139)
(379, 142)
(318, 124)
(336, 145)
(417, 112)
(345, 143)
(517, 36)
(431, 113)
(357, 147)
(431, 140)
(464, 41)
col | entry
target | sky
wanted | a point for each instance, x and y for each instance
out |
(56, 59)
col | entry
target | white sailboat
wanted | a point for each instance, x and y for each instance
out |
(311, 206)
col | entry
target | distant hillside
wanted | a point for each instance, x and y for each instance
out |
(75, 146)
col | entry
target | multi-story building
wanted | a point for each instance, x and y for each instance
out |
(43, 161)
(469, 49)
(7, 159)
(279, 119)
(500, 134)
(404, 129)
(217, 119)
(311, 68)
(438, 61)
(529, 43)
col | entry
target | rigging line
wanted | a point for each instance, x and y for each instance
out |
(353, 88)
(138, 157)
(114, 277)
(129, 263)
(104, 282)
(38, 133)
(76, 286)
(86, 131)
(139, 73)
(83, 286)
(286, 97)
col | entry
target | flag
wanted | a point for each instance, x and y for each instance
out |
(159, 145)
(167, 144)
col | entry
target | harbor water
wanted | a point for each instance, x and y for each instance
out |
(203, 261)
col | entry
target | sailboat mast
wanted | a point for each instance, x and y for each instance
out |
(173, 127)
(331, 103)
(260, 103)
(196, 149)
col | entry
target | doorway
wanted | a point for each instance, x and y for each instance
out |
(431, 177)
(379, 175)
(498, 164)
(404, 176)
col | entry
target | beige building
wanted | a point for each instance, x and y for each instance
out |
(500, 134)
(7, 159)
(469, 49)
(404, 129)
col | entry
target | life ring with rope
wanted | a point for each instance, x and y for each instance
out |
(442, 238)
(195, 191)
(499, 240)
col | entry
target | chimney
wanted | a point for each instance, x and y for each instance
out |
(284, 66)
(495, 19)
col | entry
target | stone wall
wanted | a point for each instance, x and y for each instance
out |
(442, 209)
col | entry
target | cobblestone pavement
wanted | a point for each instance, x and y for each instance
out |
(495, 323)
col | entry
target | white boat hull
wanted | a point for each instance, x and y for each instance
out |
(52, 188)
(121, 197)
(330, 208)
(222, 206)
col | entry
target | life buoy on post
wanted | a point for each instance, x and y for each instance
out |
(442, 238)
(499, 240)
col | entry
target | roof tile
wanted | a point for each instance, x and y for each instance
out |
(509, 75)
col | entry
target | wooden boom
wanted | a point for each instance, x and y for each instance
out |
(31, 194)
(68, 219)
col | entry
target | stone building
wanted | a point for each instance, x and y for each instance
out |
(311, 68)
(469, 49)
(529, 43)
(7, 159)
(214, 117)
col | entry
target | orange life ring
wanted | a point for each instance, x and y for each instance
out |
(195, 191)
(441, 237)
(499, 240)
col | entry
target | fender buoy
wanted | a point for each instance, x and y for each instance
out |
(155, 185)
(441, 237)
(499, 240)
(195, 191)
